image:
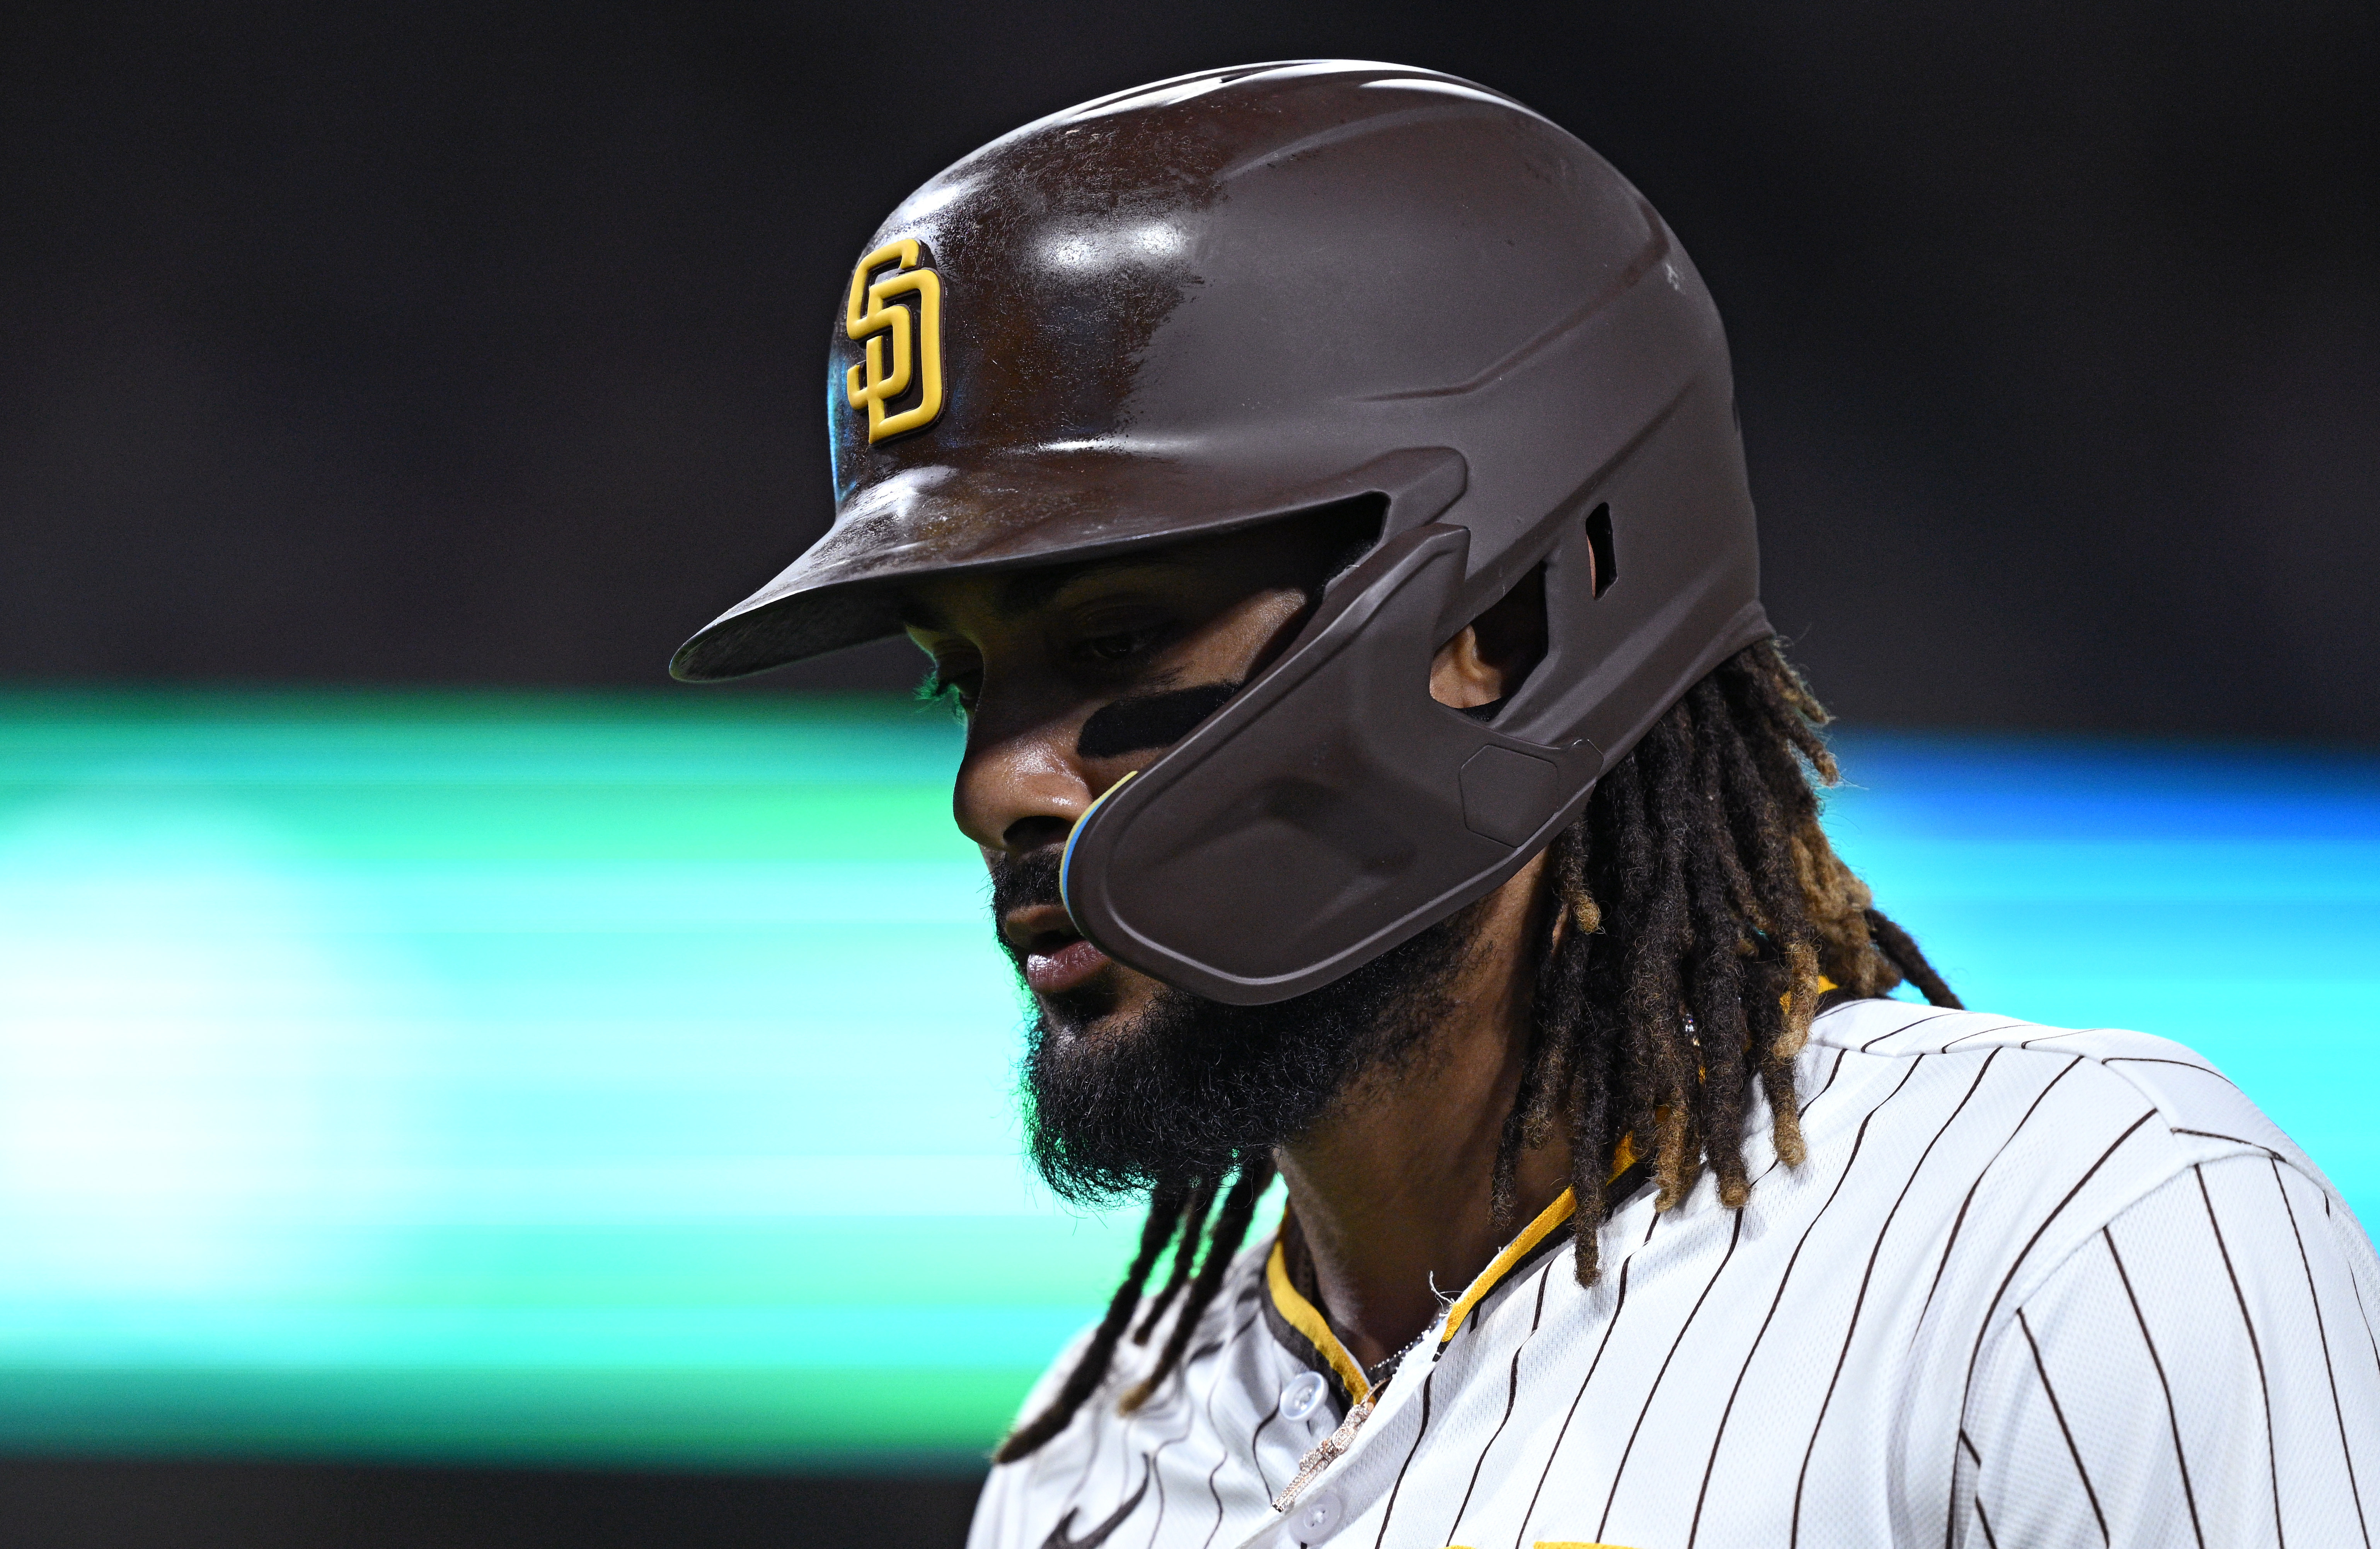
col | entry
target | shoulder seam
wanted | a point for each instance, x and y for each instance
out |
(2172, 1118)
(2249, 1151)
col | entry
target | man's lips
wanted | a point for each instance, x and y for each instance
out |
(1060, 968)
(1055, 957)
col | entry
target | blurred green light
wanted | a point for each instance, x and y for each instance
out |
(509, 1075)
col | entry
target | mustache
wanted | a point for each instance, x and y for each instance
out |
(1020, 881)
(1157, 720)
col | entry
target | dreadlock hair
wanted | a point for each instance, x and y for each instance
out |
(1175, 1211)
(1699, 914)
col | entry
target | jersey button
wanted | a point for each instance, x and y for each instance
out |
(1317, 1517)
(1303, 1396)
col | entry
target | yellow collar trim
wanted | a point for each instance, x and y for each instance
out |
(1304, 1317)
(1565, 1205)
(1549, 1219)
(1307, 1319)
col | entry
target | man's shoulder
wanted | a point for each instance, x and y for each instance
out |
(1993, 1155)
(2060, 1128)
(2171, 1086)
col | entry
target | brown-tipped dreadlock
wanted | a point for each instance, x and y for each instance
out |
(1723, 913)
(1699, 914)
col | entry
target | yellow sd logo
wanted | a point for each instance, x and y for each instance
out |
(874, 315)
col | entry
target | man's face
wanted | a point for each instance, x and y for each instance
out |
(1071, 678)
(1075, 677)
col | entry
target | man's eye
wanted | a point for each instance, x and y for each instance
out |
(1122, 646)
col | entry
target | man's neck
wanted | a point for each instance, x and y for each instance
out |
(1393, 1190)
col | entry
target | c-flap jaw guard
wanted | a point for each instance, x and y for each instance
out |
(1331, 809)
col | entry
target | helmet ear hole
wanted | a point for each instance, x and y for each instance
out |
(1598, 547)
(1480, 669)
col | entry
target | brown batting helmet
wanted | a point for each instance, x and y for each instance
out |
(1235, 297)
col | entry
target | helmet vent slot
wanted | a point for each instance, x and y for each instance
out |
(1599, 545)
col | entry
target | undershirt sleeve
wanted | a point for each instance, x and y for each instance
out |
(2201, 1371)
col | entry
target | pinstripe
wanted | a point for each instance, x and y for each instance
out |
(1959, 1224)
(2054, 1037)
(1222, 1453)
(1913, 1021)
(2263, 1383)
(1852, 1327)
(1620, 1304)
(1983, 1326)
(1189, 1418)
(1091, 1461)
(2030, 1243)
(2218, 1135)
(2013, 1163)
(1719, 1434)
(1218, 1496)
(2049, 1388)
(2338, 1412)
(1950, 1509)
(1256, 1436)
(2362, 1316)
(1832, 1071)
(1735, 1237)
(1157, 1523)
(1980, 1032)
(1256, 1455)
(1090, 1464)
(1390, 1511)
(2172, 1416)
(1511, 1395)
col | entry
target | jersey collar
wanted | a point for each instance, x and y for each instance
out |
(1301, 1328)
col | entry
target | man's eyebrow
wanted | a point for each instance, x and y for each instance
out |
(1029, 589)
(1026, 590)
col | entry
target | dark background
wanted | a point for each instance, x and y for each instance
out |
(447, 344)
(483, 344)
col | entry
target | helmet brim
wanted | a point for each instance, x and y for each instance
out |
(1018, 513)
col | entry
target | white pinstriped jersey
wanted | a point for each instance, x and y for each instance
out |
(2031, 1287)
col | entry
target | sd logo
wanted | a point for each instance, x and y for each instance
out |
(874, 314)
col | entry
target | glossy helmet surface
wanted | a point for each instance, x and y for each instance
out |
(1230, 298)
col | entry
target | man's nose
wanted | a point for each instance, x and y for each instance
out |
(1021, 790)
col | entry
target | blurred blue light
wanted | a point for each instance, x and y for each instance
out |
(629, 1079)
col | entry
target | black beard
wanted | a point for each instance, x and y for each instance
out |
(1189, 1088)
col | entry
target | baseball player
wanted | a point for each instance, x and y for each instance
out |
(1317, 486)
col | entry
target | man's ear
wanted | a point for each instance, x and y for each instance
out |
(1487, 661)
